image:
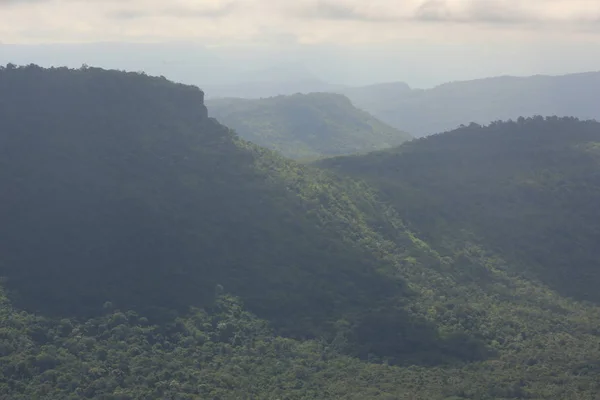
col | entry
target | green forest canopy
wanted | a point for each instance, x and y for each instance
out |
(150, 252)
(527, 189)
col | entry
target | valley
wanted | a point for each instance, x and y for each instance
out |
(150, 251)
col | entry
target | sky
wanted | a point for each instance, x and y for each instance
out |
(421, 42)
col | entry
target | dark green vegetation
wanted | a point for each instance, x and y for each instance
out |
(117, 187)
(148, 252)
(306, 125)
(424, 112)
(527, 189)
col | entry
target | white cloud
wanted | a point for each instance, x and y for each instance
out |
(308, 21)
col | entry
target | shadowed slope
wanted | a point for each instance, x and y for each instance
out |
(116, 190)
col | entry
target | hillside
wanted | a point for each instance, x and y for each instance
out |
(118, 187)
(306, 125)
(527, 189)
(445, 107)
(148, 252)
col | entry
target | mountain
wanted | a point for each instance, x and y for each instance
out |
(445, 107)
(147, 251)
(526, 189)
(118, 187)
(306, 125)
(377, 95)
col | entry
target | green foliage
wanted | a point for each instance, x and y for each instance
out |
(148, 206)
(306, 126)
(511, 210)
(527, 189)
(227, 353)
(158, 255)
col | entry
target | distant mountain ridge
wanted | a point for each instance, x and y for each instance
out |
(428, 111)
(445, 107)
(306, 125)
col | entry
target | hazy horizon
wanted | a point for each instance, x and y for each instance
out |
(346, 42)
(190, 63)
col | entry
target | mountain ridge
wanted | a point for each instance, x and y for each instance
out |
(444, 107)
(306, 125)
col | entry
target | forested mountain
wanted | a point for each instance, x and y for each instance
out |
(445, 107)
(148, 252)
(306, 125)
(527, 189)
(118, 187)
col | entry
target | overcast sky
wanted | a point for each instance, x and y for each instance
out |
(423, 42)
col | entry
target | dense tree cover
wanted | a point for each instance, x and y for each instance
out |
(444, 107)
(225, 352)
(148, 252)
(306, 125)
(528, 189)
(121, 194)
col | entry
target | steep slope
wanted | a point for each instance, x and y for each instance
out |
(445, 107)
(118, 188)
(122, 205)
(527, 189)
(306, 125)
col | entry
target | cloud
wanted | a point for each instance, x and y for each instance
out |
(9, 2)
(126, 14)
(336, 10)
(486, 12)
(217, 10)
(222, 10)
(433, 10)
(307, 21)
(475, 12)
(330, 10)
